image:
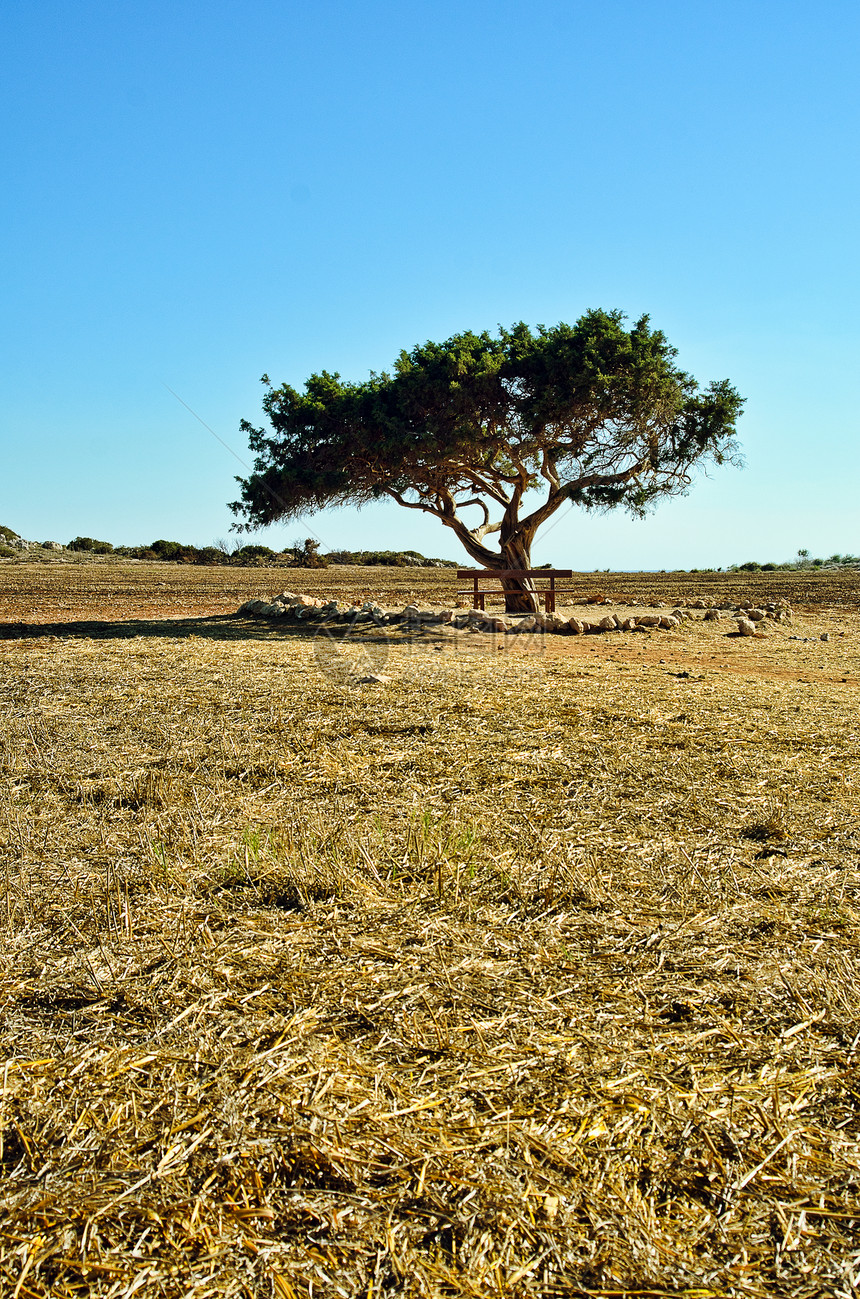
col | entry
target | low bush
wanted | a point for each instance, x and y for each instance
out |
(209, 555)
(388, 558)
(252, 554)
(91, 545)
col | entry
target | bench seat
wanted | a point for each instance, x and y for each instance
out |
(548, 594)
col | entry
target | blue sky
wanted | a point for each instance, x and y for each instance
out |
(194, 194)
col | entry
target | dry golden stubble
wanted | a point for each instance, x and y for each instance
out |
(509, 975)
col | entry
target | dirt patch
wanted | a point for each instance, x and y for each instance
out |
(90, 598)
(108, 588)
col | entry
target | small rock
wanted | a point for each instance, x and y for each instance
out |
(574, 626)
(825, 635)
(373, 679)
(648, 620)
(746, 627)
(712, 615)
(668, 622)
(756, 615)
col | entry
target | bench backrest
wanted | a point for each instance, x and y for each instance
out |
(463, 573)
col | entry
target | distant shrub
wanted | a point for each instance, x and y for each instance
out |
(7, 552)
(388, 558)
(750, 567)
(252, 555)
(769, 568)
(168, 549)
(306, 554)
(209, 555)
(7, 534)
(91, 545)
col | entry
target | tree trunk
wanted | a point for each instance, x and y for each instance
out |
(520, 595)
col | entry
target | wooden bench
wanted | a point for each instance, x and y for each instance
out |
(479, 594)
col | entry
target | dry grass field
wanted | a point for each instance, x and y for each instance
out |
(530, 971)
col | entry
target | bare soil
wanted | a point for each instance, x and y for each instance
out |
(105, 598)
(109, 589)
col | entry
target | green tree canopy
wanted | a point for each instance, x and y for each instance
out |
(493, 434)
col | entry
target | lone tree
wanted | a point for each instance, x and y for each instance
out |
(505, 429)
